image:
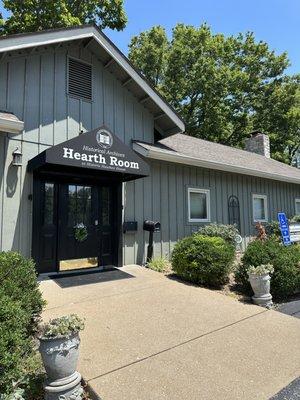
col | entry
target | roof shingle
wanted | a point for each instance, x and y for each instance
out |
(215, 154)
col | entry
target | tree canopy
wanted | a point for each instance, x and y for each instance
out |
(223, 87)
(36, 15)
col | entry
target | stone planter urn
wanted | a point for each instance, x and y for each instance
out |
(59, 348)
(259, 278)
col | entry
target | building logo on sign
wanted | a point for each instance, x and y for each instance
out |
(104, 139)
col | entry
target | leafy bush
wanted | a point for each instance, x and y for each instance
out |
(14, 342)
(227, 232)
(30, 387)
(285, 260)
(18, 280)
(272, 229)
(20, 308)
(295, 218)
(62, 327)
(203, 260)
(160, 264)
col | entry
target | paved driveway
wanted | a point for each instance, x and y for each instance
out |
(151, 337)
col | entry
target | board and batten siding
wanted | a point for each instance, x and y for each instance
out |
(34, 88)
(164, 198)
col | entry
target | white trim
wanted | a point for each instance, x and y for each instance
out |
(265, 199)
(19, 42)
(46, 38)
(297, 200)
(207, 193)
(11, 126)
(179, 158)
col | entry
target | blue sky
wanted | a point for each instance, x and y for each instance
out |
(275, 21)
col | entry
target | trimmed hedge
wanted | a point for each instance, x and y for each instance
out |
(285, 259)
(14, 342)
(203, 260)
(226, 232)
(21, 305)
(19, 281)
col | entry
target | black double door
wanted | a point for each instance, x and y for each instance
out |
(74, 225)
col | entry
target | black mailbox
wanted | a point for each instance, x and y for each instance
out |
(151, 226)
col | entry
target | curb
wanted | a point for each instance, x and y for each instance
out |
(290, 392)
(90, 390)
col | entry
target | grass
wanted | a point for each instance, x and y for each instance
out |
(160, 264)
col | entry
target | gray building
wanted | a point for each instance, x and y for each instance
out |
(89, 150)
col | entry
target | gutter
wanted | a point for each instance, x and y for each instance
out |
(179, 158)
(11, 126)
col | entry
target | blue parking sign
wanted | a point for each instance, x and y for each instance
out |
(284, 228)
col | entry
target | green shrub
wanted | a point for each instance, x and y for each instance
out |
(203, 260)
(14, 342)
(272, 229)
(19, 282)
(285, 260)
(227, 232)
(295, 218)
(21, 304)
(159, 264)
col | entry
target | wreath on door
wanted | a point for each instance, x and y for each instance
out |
(80, 232)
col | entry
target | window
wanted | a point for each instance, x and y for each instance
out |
(198, 205)
(79, 205)
(49, 203)
(297, 206)
(260, 208)
(79, 79)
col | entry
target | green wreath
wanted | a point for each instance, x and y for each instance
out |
(80, 232)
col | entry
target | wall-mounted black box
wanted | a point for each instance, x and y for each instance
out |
(130, 226)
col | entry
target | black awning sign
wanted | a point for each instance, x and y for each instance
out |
(98, 149)
(101, 158)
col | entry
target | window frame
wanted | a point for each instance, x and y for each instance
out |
(266, 209)
(297, 200)
(207, 193)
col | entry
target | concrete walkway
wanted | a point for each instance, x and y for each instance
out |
(151, 337)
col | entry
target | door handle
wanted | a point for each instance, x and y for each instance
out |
(96, 222)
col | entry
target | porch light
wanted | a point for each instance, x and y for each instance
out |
(17, 158)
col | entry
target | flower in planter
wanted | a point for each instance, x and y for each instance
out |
(80, 232)
(62, 327)
(259, 279)
(59, 348)
(262, 269)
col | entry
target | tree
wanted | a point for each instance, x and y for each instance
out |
(36, 15)
(149, 51)
(223, 87)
